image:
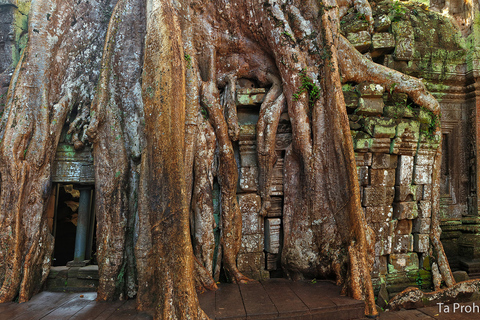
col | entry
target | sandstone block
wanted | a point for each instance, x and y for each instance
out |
(383, 247)
(383, 41)
(248, 179)
(384, 161)
(378, 196)
(408, 130)
(370, 124)
(405, 193)
(381, 230)
(403, 227)
(272, 261)
(380, 266)
(402, 243)
(370, 106)
(354, 25)
(402, 262)
(282, 141)
(424, 209)
(252, 243)
(380, 145)
(382, 177)
(423, 175)
(382, 23)
(362, 144)
(275, 208)
(370, 90)
(421, 242)
(249, 205)
(404, 39)
(363, 159)
(363, 175)
(404, 170)
(360, 40)
(248, 154)
(250, 263)
(272, 235)
(405, 210)
(378, 214)
(351, 99)
(427, 192)
(421, 225)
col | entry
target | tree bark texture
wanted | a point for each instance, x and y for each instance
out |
(157, 103)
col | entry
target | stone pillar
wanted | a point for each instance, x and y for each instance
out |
(82, 228)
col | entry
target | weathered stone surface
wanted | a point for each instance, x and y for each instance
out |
(251, 264)
(360, 40)
(384, 246)
(370, 90)
(382, 23)
(58, 272)
(370, 106)
(272, 261)
(403, 226)
(248, 153)
(276, 207)
(427, 192)
(382, 177)
(362, 144)
(380, 145)
(421, 225)
(351, 99)
(404, 39)
(249, 205)
(406, 140)
(252, 243)
(363, 159)
(379, 266)
(421, 242)
(248, 179)
(405, 210)
(379, 127)
(408, 129)
(404, 170)
(425, 157)
(460, 276)
(424, 209)
(423, 175)
(88, 272)
(363, 175)
(402, 243)
(272, 235)
(354, 25)
(378, 214)
(377, 196)
(276, 188)
(381, 230)
(250, 96)
(282, 141)
(405, 193)
(384, 161)
(402, 262)
(383, 41)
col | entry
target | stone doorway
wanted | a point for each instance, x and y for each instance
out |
(74, 225)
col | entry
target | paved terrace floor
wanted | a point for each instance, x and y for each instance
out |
(272, 299)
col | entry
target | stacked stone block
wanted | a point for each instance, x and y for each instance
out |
(261, 237)
(394, 165)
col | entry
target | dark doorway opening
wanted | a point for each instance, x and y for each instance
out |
(66, 222)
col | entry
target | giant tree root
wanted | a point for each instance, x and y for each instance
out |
(412, 298)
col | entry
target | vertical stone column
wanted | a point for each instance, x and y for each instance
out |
(82, 228)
